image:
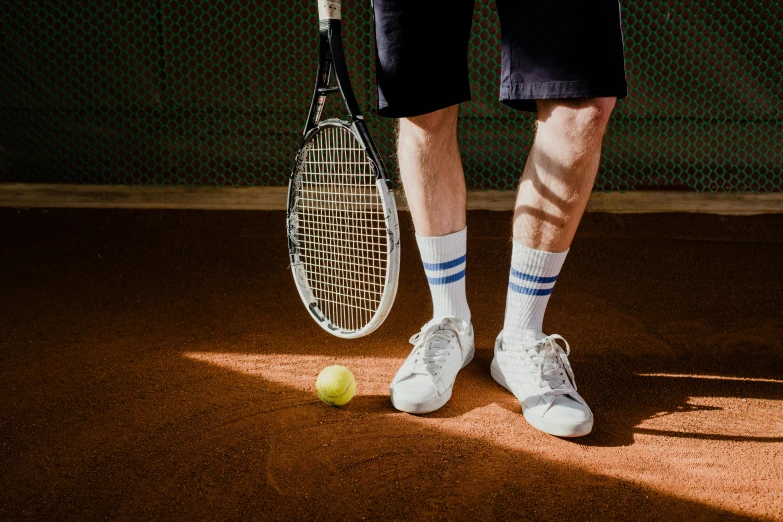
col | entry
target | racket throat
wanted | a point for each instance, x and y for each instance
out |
(331, 35)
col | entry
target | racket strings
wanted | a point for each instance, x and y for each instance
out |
(341, 228)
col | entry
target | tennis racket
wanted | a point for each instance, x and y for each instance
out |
(343, 233)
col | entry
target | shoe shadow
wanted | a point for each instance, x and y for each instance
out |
(671, 405)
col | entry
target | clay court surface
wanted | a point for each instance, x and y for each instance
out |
(159, 364)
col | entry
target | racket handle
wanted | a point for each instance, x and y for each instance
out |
(328, 10)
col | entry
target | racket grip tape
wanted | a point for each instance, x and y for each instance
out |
(328, 9)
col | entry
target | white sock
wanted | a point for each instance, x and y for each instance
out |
(532, 277)
(444, 263)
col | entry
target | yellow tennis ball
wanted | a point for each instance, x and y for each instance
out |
(336, 385)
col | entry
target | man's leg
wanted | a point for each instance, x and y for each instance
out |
(434, 185)
(555, 187)
(431, 172)
(560, 171)
(422, 73)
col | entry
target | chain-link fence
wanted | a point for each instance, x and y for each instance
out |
(192, 92)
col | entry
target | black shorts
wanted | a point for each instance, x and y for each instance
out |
(551, 49)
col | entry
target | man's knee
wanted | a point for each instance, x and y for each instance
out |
(581, 119)
(434, 125)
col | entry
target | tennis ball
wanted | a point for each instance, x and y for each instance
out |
(336, 385)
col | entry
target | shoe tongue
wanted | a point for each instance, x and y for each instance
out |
(437, 338)
(433, 335)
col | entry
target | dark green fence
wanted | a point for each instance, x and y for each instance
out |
(215, 93)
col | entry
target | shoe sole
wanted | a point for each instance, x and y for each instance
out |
(557, 429)
(433, 404)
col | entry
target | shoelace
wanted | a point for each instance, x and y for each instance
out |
(433, 344)
(551, 360)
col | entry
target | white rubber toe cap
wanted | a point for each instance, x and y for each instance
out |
(564, 417)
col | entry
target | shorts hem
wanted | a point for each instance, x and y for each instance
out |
(523, 96)
(420, 107)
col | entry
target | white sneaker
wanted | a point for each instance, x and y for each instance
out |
(538, 373)
(440, 350)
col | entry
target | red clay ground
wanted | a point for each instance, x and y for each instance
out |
(159, 364)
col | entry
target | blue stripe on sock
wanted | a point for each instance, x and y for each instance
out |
(446, 280)
(446, 265)
(532, 278)
(529, 291)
